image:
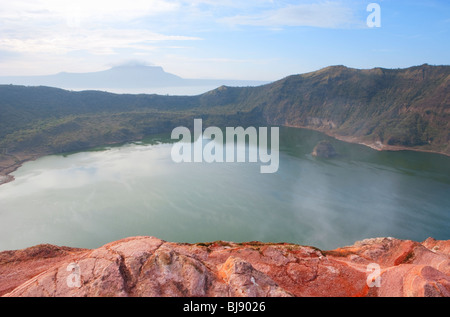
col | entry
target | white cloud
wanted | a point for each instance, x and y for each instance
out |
(84, 10)
(103, 26)
(323, 14)
(45, 36)
(97, 41)
(61, 26)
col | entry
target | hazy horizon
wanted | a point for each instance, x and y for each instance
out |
(127, 64)
(251, 40)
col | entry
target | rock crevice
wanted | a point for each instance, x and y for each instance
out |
(150, 267)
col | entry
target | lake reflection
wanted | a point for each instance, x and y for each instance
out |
(91, 198)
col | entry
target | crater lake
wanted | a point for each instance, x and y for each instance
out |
(91, 198)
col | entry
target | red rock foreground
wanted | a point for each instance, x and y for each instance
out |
(147, 266)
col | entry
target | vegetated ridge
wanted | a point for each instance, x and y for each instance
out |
(382, 108)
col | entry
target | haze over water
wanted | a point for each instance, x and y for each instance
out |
(91, 198)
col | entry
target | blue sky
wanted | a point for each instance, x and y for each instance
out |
(251, 39)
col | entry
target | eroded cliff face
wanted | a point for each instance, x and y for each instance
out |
(147, 266)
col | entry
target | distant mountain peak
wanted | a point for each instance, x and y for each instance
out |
(139, 69)
(133, 75)
(136, 66)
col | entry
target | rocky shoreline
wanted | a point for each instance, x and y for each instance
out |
(10, 163)
(7, 167)
(150, 267)
(376, 145)
(6, 179)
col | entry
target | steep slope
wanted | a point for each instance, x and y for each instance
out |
(394, 107)
(382, 108)
(404, 107)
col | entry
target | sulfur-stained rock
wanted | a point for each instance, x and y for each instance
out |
(147, 266)
(245, 281)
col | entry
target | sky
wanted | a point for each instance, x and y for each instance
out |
(222, 39)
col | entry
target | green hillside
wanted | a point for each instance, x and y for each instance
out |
(397, 107)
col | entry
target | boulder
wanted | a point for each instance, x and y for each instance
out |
(324, 150)
(150, 267)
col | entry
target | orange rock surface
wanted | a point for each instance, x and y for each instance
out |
(150, 267)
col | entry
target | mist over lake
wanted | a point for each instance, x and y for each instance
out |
(91, 198)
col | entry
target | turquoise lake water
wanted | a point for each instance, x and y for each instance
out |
(88, 199)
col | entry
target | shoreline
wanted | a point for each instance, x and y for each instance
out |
(6, 177)
(5, 172)
(378, 146)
